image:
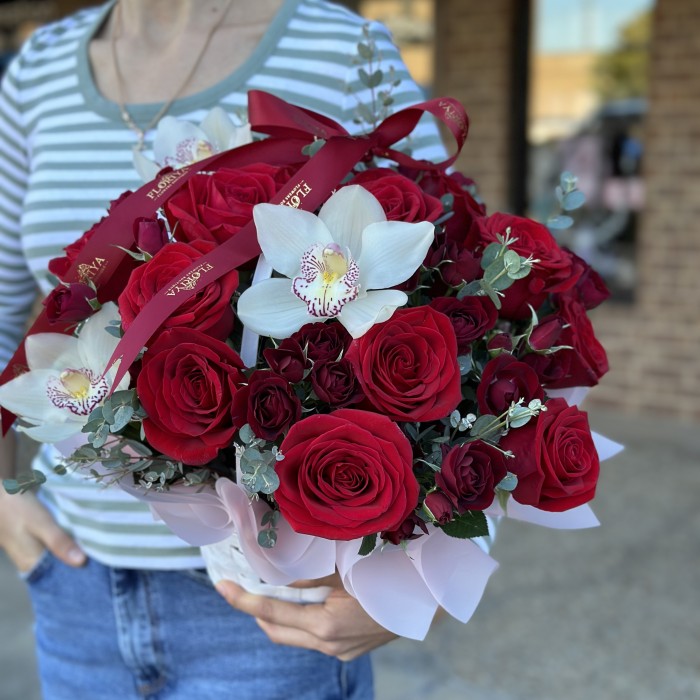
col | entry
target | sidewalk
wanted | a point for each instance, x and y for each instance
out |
(610, 613)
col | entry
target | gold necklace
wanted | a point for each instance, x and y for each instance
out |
(126, 117)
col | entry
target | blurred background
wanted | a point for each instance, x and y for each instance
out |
(610, 90)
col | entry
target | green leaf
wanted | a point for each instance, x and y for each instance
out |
(512, 262)
(365, 51)
(573, 200)
(495, 277)
(485, 426)
(559, 223)
(23, 482)
(473, 523)
(122, 416)
(492, 252)
(523, 271)
(470, 290)
(508, 482)
(568, 181)
(519, 416)
(267, 538)
(369, 542)
(246, 434)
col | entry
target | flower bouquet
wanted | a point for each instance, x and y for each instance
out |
(340, 364)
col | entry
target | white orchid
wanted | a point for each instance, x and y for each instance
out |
(64, 382)
(339, 264)
(178, 142)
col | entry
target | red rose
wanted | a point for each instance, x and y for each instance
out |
(462, 226)
(506, 380)
(323, 342)
(401, 198)
(209, 310)
(440, 507)
(345, 475)
(187, 384)
(60, 266)
(405, 531)
(590, 289)
(469, 475)
(408, 365)
(462, 265)
(215, 207)
(268, 403)
(581, 365)
(336, 383)
(69, 303)
(555, 271)
(150, 234)
(555, 459)
(470, 317)
(287, 360)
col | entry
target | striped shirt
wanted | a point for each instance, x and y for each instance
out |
(66, 153)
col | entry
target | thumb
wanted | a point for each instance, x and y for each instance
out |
(55, 539)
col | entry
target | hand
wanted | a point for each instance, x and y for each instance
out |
(27, 529)
(338, 627)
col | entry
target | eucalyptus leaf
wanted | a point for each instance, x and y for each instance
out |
(573, 200)
(508, 482)
(560, 223)
(267, 538)
(246, 434)
(470, 290)
(519, 416)
(365, 51)
(512, 262)
(492, 252)
(486, 426)
(122, 417)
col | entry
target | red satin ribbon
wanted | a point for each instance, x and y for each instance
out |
(290, 128)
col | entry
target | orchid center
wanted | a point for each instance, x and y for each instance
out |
(190, 151)
(328, 279)
(78, 390)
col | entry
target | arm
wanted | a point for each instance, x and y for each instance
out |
(26, 527)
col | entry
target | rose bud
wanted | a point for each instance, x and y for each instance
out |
(439, 506)
(405, 531)
(546, 334)
(499, 342)
(150, 235)
(70, 303)
(323, 342)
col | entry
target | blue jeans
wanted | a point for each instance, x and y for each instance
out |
(108, 634)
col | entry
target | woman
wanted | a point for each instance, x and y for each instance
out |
(122, 607)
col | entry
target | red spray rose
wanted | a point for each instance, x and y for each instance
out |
(336, 383)
(187, 384)
(505, 380)
(470, 473)
(150, 234)
(345, 475)
(287, 360)
(408, 365)
(555, 271)
(69, 303)
(268, 403)
(208, 310)
(555, 458)
(581, 365)
(401, 198)
(323, 342)
(215, 207)
(471, 318)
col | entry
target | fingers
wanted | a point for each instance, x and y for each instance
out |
(268, 609)
(54, 538)
(333, 581)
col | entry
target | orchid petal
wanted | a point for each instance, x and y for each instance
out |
(392, 251)
(45, 350)
(270, 308)
(284, 234)
(375, 307)
(146, 168)
(222, 133)
(348, 212)
(52, 432)
(175, 142)
(26, 396)
(95, 344)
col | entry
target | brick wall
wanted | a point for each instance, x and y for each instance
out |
(473, 64)
(653, 345)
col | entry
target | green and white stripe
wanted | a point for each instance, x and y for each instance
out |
(65, 154)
